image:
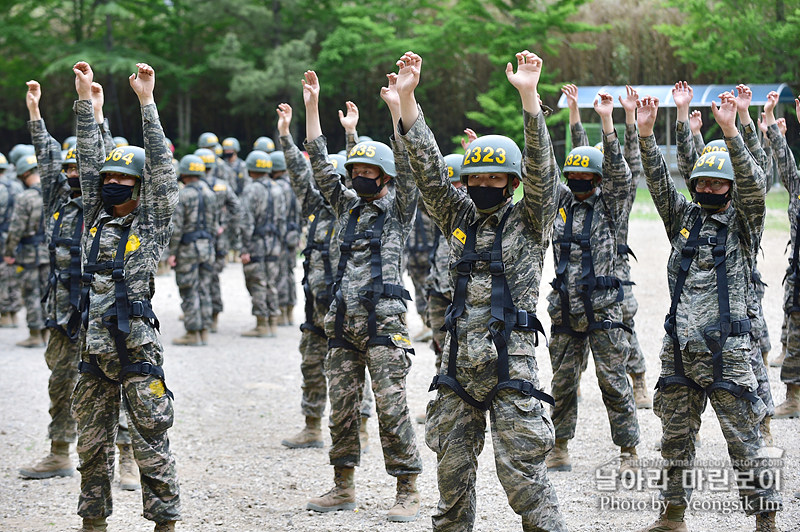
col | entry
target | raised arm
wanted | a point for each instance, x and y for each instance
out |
(349, 122)
(668, 201)
(90, 150)
(616, 183)
(631, 152)
(48, 153)
(783, 155)
(406, 191)
(579, 137)
(98, 99)
(749, 131)
(299, 170)
(682, 96)
(695, 123)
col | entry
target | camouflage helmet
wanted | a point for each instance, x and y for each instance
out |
(264, 144)
(19, 150)
(600, 147)
(208, 157)
(217, 150)
(338, 161)
(492, 154)
(26, 163)
(231, 143)
(3, 162)
(343, 153)
(364, 138)
(191, 165)
(259, 161)
(278, 161)
(128, 160)
(69, 142)
(70, 157)
(121, 141)
(371, 152)
(584, 159)
(715, 145)
(207, 140)
(453, 162)
(713, 164)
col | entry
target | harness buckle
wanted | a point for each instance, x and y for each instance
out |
(497, 268)
(146, 368)
(464, 268)
(118, 274)
(526, 387)
(522, 318)
(585, 244)
(87, 278)
(375, 244)
(345, 247)
(607, 324)
(137, 309)
(688, 251)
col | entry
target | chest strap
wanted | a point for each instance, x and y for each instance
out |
(505, 318)
(201, 231)
(323, 298)
(716, 335)
(71, 279)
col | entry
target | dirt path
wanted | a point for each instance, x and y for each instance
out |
(237, 398)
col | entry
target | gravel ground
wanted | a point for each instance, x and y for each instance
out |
(237, 398)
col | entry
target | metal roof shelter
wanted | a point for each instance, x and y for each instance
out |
(703, 95)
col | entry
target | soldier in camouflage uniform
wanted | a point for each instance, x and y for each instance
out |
(418, 263)
(585, 305)
(787, 169)
(366, 322)
(229, 208)
(10, 292)
(128, 205)
(287, 291)
(264, 144)
(26, 248)
(191, 250)
(635, 365)
(238, 168)
(488, 362)
(706, 352)
(262, 225)
(687, 156)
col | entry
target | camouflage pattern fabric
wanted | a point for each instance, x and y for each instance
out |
(680, 407)
(417, 257)
(521, 429)
(229, 208)
(62, 357)
(96, 402)
(237, 175)
(287, 288)
(262, 273)
(10, 290)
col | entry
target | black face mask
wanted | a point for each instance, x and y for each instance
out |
(711, 202)
(487, 199)
(226, 155)
(74, 183)
(115, 194)
(580, 186)
(366, 187)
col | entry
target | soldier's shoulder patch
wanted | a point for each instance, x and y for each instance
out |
(401, 341)
(157, 387)
(93, 231)
(56, 215)
(133, 244)
(563, 214)
(460, 235)
(220, 187)
(685, 233)
(311, 218)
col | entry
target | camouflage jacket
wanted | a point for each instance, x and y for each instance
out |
(229, 207)
(525, 235)
(319, 214)
(787, 170)
(263, 220)
(10, 189)
(26, 239)
(293, 226)
(150, 226)
(399, 206)
(237, 174)
(609, 204)
(194, 229)
(698, 307)
(59, 208)
(420, 241)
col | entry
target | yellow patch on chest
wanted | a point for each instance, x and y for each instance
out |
(460, 235)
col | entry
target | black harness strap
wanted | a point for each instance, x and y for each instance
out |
(323, 298)
(589, 281)
(725, 327)
(72, 279)
(267, 226)
(421, 244)
(505, 317)
(35, 239)
(794, 266)
(201, 228)
(117, 318)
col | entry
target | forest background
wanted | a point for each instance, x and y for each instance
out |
(223, 66)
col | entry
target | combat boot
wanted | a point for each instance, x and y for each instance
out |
(55, 464)
(310, 436)
(766, 433)
(406, 502)
(341, 497)
(272, 324)
(8, 320)
(34, 339)
(671, 520)
(628, 461)
(94, 525)
(363, 435)
(290, 315)
(778, 362)
(191, 338)
(791, 406)
(204, 336)
(558, 459)
(765, 356)
(640, 396)
(261, 330)
(282, 320)
(765, 522)
(166, 526)
(128, 471)
(214, 322)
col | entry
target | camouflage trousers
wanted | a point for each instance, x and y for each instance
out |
(286, 286)
(790, 370)
(435, 310)
(388, 366)
(10, 291)
(680, 409)
(418, 274)
(194, 284)
(96, 406)
(62, 357)
(762, 377)
(260, 279)
(630, 306)
(214, 290)
(522, 435)
(313, 349)
(32, 280)
(568, 356)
